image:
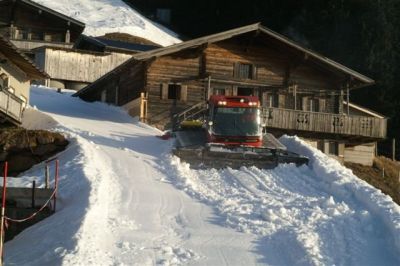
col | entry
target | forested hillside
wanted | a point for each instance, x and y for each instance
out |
(361, 34)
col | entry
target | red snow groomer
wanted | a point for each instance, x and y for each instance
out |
(234, 121)
(231, 135)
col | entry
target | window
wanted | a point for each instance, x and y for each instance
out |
(244, 71)
(333, 148)
(314, 105)
(22, 34)
(37, 36)
(270, 99)
(218, 91)
(174, 92)
(243, 91)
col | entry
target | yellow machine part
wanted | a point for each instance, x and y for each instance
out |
(191, 124)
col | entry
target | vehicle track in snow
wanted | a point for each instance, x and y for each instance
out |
(133, 203)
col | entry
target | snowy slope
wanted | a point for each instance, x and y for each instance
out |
(106, 16)
(124, 200)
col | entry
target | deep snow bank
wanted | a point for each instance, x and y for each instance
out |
(343, 183)
(319, 214)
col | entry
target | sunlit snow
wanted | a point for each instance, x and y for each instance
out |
(125, 200)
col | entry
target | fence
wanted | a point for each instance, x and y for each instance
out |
(45, 196)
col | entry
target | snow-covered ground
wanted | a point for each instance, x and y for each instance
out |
(107, 16)
(124, 200)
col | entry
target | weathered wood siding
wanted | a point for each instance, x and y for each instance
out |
(72, 65)
(362, 154)
(271, 74)
(222, 57)
(275, 73)
(182, 69)
(120, 88)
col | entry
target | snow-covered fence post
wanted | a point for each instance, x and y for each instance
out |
(3, 208)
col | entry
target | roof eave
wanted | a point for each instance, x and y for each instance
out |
(51, 11)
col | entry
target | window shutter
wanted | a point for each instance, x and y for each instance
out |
(282, 101)
(254, 74)
(322, 105)
(305, 104)
(184, 93)
(164, 91)
(236, 70)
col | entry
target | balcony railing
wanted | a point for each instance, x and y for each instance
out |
(32, 44)
(11, 106)
(294, 120)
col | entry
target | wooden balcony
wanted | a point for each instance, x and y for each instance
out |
(327, 125)
(27, 45)
(11, 107)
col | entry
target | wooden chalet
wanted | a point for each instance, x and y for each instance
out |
(16, 72)
(301, 92)
(29, 25)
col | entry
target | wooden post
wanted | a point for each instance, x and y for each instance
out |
(394, 149)
(3, 208)
(47, 176)
(33, 194)
(142, 106)
(67, 37)
(208, 87)
(295, 96)
(55, 186)
(348, 99)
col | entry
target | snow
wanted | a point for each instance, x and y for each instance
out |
(108, 16)
(125, 200)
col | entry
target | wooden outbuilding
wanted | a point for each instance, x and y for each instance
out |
(16, 73)
(301, 91)
(89, 59)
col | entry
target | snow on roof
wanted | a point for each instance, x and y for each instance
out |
(107, 16)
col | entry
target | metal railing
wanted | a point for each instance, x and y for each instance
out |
(194, 112)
